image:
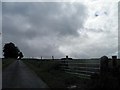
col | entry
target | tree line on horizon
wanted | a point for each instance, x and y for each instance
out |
(10, 50)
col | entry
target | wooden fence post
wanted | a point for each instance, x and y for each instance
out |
(115, 69)
(114, 61)
(66, 60)
(52, 57)
(104, 65)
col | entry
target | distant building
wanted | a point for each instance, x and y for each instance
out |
(66, 58)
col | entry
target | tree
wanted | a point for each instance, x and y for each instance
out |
(10, 50)
(20, 55)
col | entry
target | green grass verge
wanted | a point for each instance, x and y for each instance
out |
(48, 71)
(7, 62)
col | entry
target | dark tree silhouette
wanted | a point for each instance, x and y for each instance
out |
(20, 55)
(10, 50)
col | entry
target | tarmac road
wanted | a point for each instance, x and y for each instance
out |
(18, 75)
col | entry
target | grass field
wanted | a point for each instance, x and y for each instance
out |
(49, 72)
(7, 62)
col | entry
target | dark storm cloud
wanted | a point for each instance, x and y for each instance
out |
(61, 18)
(37, 27)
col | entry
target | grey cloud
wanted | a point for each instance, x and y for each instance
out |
(45, 20)
(58, 20)
(41, 15)
(39, 29)
(119, 29)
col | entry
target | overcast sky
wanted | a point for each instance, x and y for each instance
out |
(86, 29)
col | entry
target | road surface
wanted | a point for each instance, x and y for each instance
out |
(18, 75)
